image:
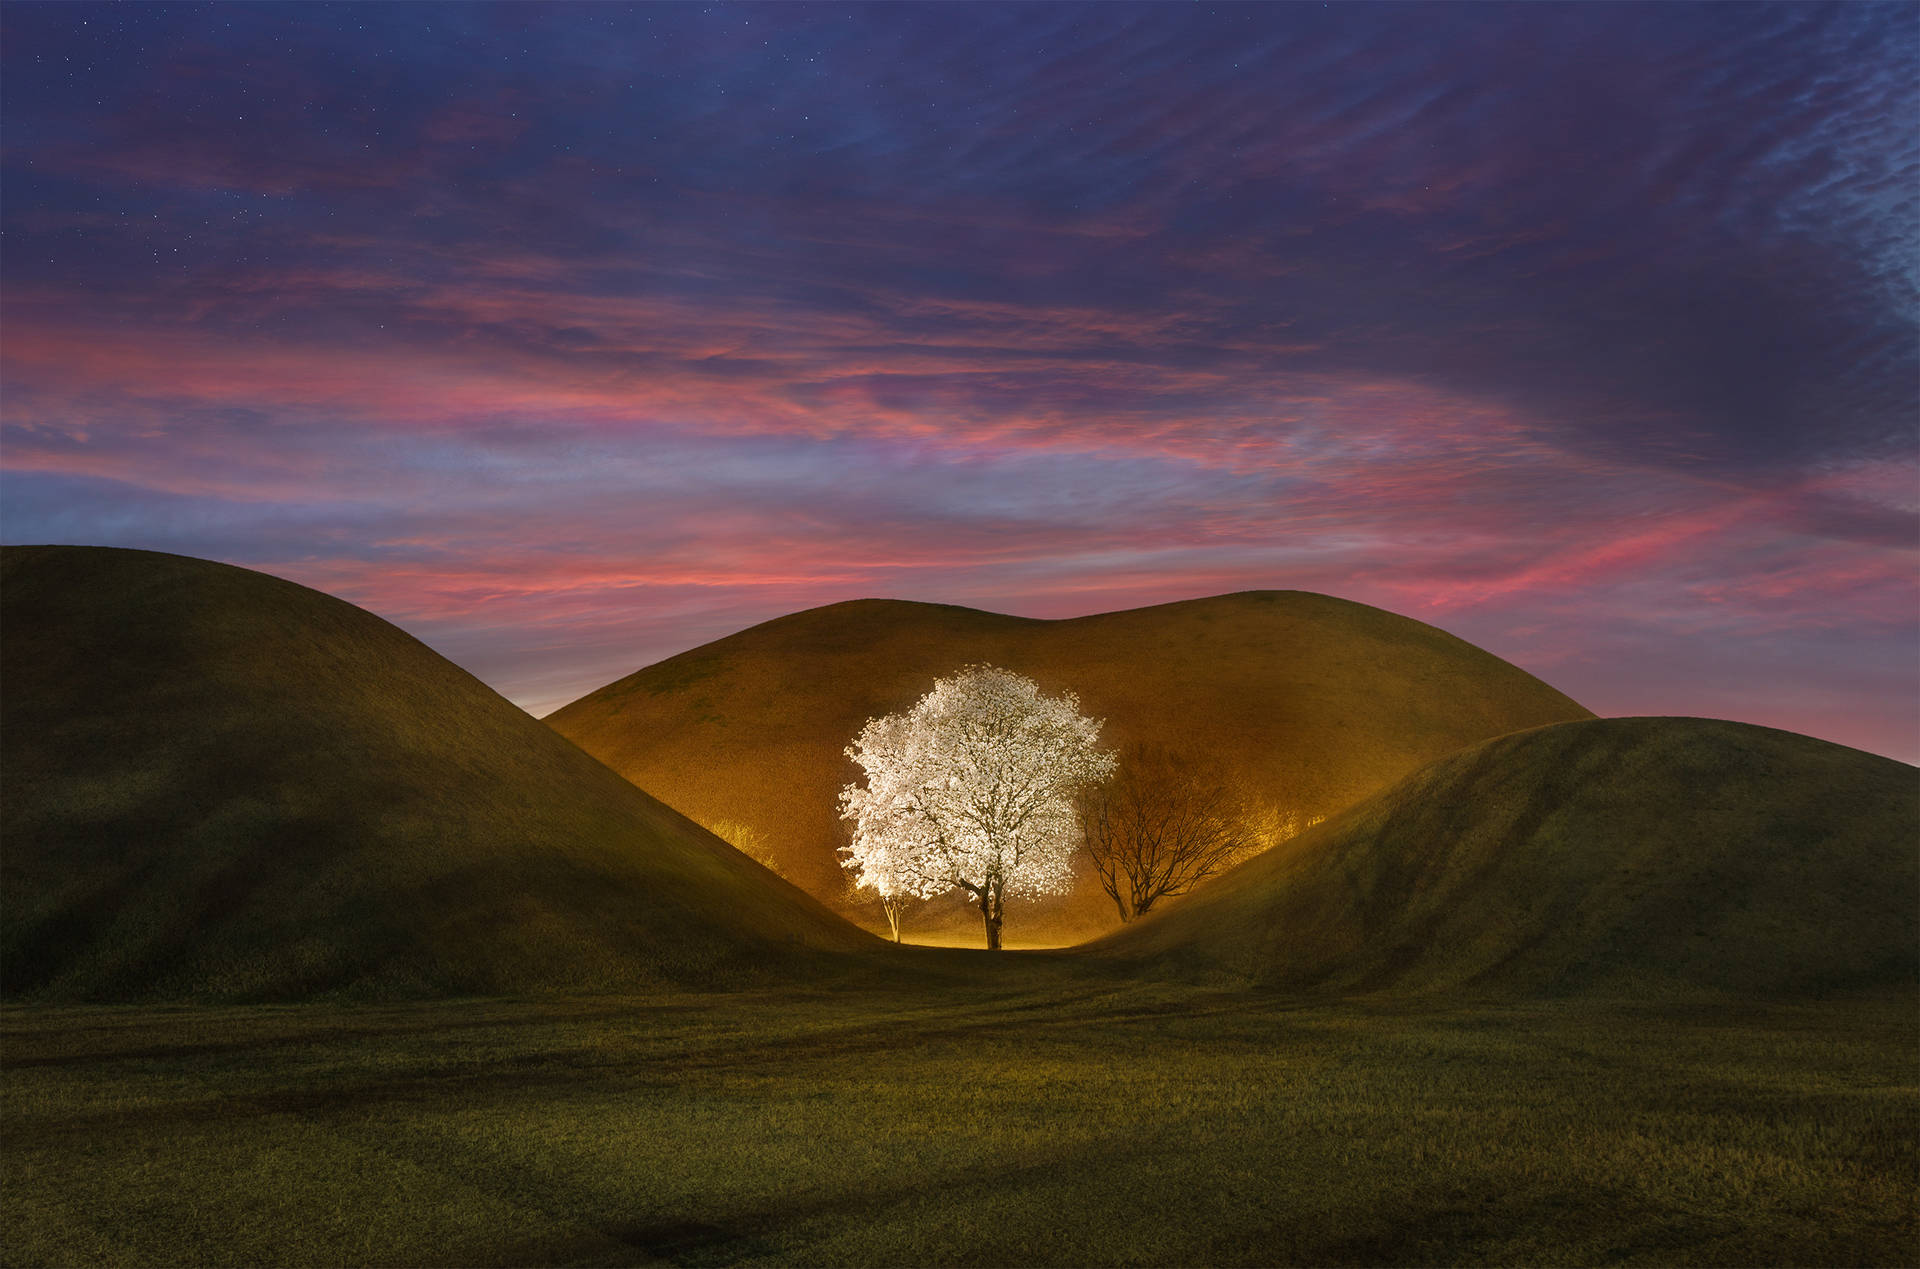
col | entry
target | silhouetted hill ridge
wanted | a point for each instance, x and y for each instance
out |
(1624, 855)
(222, 784)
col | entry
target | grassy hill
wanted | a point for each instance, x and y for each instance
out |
(1630, 854)
(1315, 700)
(220, 784)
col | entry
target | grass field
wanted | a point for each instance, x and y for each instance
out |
(1020, 1110)
(221, 787)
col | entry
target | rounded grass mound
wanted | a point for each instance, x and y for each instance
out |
(1314, 700)
(1625, 855)
(219, 784)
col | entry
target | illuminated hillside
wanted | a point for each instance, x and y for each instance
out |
(1315, 701)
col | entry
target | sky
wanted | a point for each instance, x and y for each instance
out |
(568, 337)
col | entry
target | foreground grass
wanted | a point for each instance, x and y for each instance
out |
(1030, 1118)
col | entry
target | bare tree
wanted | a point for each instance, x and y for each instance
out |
(1160, 826)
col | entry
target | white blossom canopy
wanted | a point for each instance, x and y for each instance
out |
(972, 787)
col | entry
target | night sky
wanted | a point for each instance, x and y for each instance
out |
(569, 337)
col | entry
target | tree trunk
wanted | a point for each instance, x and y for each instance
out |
(991, 911)
(892, 909)
(1143, 898)
(992, 919)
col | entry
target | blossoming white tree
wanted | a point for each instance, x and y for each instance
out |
(973, 787)
(886, 849)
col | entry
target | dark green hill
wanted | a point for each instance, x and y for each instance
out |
(215, 783)
(1628, 855)
(1315, 700)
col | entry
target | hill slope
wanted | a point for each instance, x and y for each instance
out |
(1318, 700)
(1618, 854)
(218, 783)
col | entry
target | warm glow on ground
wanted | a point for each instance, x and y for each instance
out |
(1010, 943)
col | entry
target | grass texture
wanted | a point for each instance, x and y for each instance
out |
(1315, 702)
(1631, 991)
(1032, 1116)
(1625, 855)
(218, 784)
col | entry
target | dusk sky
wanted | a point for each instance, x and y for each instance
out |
(571, 336)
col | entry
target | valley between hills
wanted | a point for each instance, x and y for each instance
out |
(318, 951)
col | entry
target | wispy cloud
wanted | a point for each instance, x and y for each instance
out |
(571, 337)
